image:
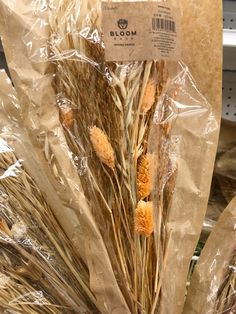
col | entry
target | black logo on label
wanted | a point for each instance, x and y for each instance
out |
(123, 32)
(122, 23)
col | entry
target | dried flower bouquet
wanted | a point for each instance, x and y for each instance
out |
(119, 157)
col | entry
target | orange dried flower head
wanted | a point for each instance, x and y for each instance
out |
(102, 147)
(144, 218)
(144, 177)
(149, 96)
(66, 117)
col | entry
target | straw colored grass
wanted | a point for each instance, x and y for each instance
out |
(43, 273)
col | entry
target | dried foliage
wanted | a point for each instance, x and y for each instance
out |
(113, 107)
(39, 270)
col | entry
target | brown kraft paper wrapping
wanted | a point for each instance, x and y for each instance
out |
(212, 265)
(202, 52)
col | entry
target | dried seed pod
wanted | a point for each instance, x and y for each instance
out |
(66, 117)
(144, 178)
(19, 231)
(149, 96)
(102, 147)
(144, 218)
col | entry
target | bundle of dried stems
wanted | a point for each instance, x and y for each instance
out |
(110, 163)
(39, 270)
(108, 126)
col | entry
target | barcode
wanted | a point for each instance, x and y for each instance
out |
(162, 24)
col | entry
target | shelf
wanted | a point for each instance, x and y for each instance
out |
(229, 18)
(229, 35)
(229, 38)
(229, 96)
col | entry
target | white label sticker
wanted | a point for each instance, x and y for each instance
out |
(140, 31)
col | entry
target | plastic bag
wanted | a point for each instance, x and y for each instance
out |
(119, 119)
(216, 205)
(225, 161)
(223, 187)
(39, 270)
(212, 287)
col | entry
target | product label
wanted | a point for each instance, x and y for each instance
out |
(140, 31)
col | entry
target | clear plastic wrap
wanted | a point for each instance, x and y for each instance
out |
(216, 205)
(121, 143)
(223, 187)
(225, 168)
(39, 270)
(212, 287)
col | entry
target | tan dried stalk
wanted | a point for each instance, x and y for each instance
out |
(17, 294)
(35, 250)
(149, 96)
